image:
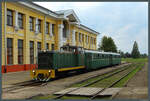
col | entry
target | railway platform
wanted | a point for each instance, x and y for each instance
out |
(12, 78)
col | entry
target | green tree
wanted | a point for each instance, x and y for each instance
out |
(107, 44)
(121, 53)
(135, 51)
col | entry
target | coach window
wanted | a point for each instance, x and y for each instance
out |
(31, 52)
(39, 25)
(9, 17)
(39, 46)
(20, 20)
(9, 51)
(20, 51)
(31, 23)
(47, 27)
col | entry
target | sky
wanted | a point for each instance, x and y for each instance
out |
(125, 22)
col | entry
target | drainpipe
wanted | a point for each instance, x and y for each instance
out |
(45, 31)
(5, 69)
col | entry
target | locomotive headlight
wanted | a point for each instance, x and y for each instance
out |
(33, 71)
(49, 71)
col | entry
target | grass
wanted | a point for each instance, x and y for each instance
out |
(68, 97)
(138, 60)
(128, 77)
(106, 82)
(96, 78)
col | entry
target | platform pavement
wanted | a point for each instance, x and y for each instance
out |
(15, 77)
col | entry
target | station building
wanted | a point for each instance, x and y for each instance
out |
(28, 28)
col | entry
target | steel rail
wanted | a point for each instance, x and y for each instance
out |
(100, 91)
(91, 83)
(123, 65)
(20, 86)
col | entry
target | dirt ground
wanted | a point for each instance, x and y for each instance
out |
(137, 87)
(53, 86)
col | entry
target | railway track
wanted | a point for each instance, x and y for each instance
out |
(112, 84)
(31, 83)
(109, 74)
(23, 85)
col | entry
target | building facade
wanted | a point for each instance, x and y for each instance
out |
(28, 28)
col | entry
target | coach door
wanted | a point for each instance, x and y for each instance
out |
(110, 59)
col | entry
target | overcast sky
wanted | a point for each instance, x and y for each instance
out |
(125, 22)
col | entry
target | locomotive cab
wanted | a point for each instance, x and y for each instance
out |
(45, 67)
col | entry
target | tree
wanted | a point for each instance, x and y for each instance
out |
(144, 55)
(127, 55)
(121, 53)
(135, 51)
(107, 45)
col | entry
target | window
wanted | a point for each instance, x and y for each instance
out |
(39, 46)
(31, 52)
(53, 29)
(87, 39)
(39, 25)
(9, 17)
(52, 47)
(9, 51)
(65, 29)
(20, 51)
(31, 23)
(76, 36)
(20, 20)
(47, 46)
(47, 27)
(80, 37)
(91, 40)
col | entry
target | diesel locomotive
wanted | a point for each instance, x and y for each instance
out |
(71, 58)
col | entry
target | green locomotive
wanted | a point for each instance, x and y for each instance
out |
(70, 58)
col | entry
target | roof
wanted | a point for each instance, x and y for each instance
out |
(67, 13)
(61, 14)
(87, 28)
(89, 51)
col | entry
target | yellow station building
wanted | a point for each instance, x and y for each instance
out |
(28, 27)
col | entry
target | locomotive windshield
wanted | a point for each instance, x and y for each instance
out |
(73, 49)
(44, 60)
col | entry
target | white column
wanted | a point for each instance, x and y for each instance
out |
(60, 33)
(36, 27)
(51, 33)
(73, 37)
(16, 19)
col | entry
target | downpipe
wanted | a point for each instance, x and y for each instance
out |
(5, 68)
